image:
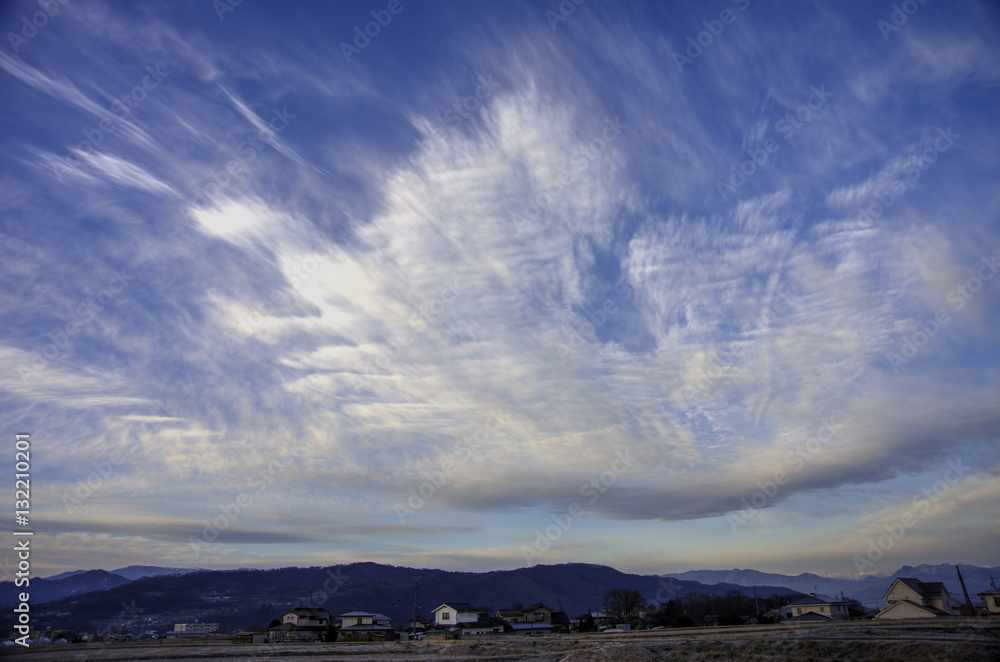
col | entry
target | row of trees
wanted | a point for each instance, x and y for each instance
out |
(730, 608)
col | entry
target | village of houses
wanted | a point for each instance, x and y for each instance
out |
(906, 598)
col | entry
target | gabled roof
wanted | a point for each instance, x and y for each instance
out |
(308, 611)
(538, 605)
(990, 591)
(934, 611)
(560, 618)
(362, 614)
(457, 606)
(923, 589)
(816, 600)
(510, 612)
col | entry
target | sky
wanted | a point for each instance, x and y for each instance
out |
(477, 286)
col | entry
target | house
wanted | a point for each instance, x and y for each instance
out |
(828, 609)
(992, 599)
(510, 615)
(418, 624)
(538, 613)
(308, 617)
(452, 614)
(291, 633)
(599, 618)
(532, 628)
(245, 637)
(911, 598)
(561, 622)
(365, 626)
(485, 625)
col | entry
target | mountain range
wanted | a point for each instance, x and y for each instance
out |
(159, 597)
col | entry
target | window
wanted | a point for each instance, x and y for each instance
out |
(446, 616)
(359, 621)
(996, 602)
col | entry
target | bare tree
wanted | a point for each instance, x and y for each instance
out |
(624, 605)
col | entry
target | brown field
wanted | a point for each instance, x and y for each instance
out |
(909, 641)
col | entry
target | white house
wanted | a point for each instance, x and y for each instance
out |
(819, 605)
(992, 600)
(307, 617)
(451, 614)
(911, 598)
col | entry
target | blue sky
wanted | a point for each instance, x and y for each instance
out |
(657, 285)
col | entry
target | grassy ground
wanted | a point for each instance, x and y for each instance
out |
(957, 640)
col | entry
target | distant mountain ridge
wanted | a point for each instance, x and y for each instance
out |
(243, 598)
(139, 571)
(869, 589)
(79, 582)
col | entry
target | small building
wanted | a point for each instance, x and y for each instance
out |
(538, 613)
(561, 622)
(511, 615)
(241, 637)
(187, 634)
(600, 619)
(485, 625)
(911, 598)
(291, 633)
(196, 627)
(418, 624)
(992, 599)
(453, 614)
(365, 626)
(308, 617)
(829, 609)
(532, 628)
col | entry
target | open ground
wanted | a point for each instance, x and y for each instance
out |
(957, 640)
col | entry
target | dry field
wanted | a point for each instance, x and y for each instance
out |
(913, 641)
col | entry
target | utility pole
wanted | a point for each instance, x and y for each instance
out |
(396, 614)
(413, 625)
(755, 602)
(968, 602)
